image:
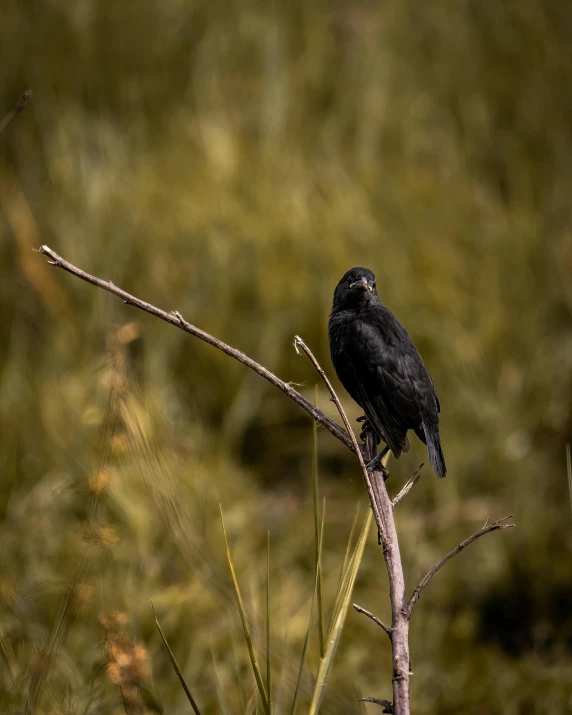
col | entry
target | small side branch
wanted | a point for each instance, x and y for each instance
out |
(375, 619)
(16, 109)
(408, 486)
(487, 529)
(385, 704)
(177, 320)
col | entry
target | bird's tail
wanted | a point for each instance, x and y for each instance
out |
(436, 456)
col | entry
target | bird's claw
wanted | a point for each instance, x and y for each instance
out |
(376, 464)
(367, 429)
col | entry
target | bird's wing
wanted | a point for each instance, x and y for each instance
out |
(384, 408)
(390, 382)
(392, 400)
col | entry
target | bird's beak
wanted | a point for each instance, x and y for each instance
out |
(362, 284)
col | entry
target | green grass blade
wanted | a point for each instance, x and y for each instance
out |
(348, 578)
(311, 619)
(242, 612)
(268, 671)
(345, 561)
(175, 665)
(315, 496)
(569, 471)
(340, 610)
(305, 648)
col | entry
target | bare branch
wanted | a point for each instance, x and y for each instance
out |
(375, 619)
(381, 504)
(299, 343)
(385, 704)
(177, 320)
(16, 109)
(487, 529)
(408, 486)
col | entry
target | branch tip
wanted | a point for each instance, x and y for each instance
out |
(408, 486)
(495, 526)
(385, 704)
(375, 619)
(16, 109)
(317, 414)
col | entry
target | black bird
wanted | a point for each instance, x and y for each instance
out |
(381, 368)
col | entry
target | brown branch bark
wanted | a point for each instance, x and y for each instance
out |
(487, 529)
(408, 486)
(385, 704)
(177, 320)
(397, 593)
(375, 619)
(16, 109)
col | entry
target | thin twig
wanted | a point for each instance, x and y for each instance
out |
(177, 320)
(385, 704)
(299, 343)
(408, 486)
(16, 109)
(375, 619)
(495, 526)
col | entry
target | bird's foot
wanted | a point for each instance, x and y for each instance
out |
(363, 434)
(376, 464)
(366, 429)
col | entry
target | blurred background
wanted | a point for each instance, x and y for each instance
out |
(231, 161)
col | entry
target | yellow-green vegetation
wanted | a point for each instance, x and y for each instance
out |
(231, 160)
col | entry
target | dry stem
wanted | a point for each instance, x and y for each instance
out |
(495, 526)
(16, 109)
(375, 619)
(177, 320)
(381, 504)
(408, 486)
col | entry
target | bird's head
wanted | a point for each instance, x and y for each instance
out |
(356, 288)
